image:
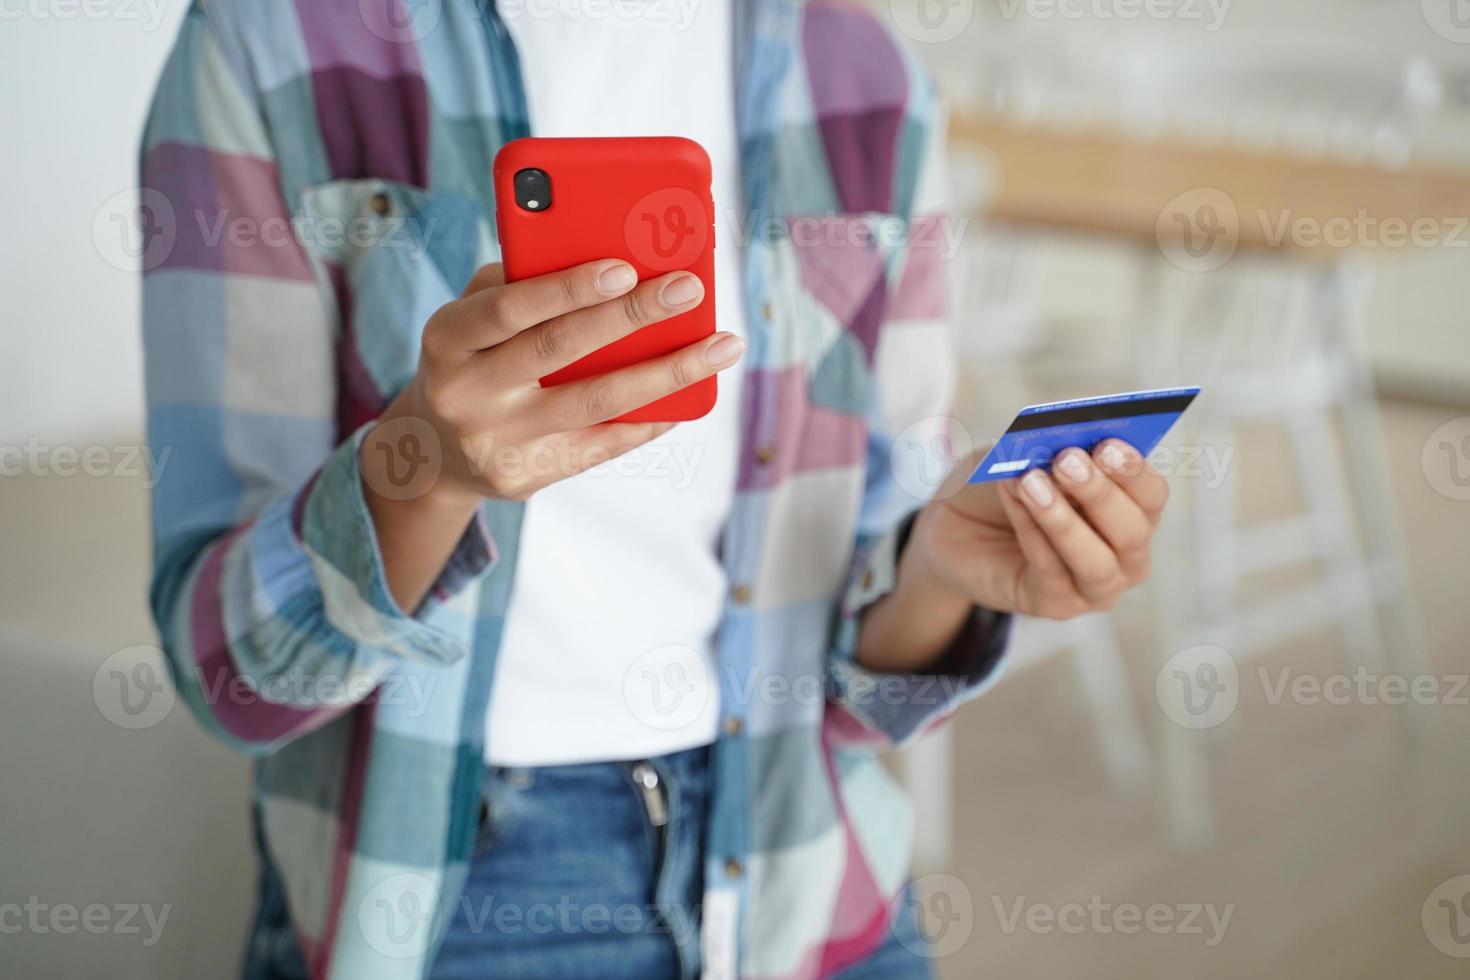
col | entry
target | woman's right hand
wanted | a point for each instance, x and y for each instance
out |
(499, 433)
(475, 423)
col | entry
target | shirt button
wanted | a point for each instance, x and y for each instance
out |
(380, 204)
(767, 312)
(764, 454)
(733, 725)
(734, 868)
(741, 594)
(867, 580)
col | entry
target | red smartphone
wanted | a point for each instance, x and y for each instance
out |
(646, 200)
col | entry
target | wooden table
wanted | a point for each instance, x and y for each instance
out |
(1110, 184)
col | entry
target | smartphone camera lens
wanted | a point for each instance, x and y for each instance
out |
(533, 189)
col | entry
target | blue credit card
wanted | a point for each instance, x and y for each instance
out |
(1039, 433)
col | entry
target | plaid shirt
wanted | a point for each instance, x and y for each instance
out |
(315, 184)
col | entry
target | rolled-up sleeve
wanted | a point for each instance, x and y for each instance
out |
(895, 708)
(268, 588)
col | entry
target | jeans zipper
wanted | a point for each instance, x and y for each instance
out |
(645, 777)
(656, 807)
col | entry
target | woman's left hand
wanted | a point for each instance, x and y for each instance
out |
(1055, 545)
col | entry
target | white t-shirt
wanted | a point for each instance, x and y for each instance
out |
(608, 647)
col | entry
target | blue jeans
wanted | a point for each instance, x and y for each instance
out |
(582, 871)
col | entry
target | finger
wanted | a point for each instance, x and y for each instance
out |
(556, 343)
(1049, 590)
(1114, 515)
(1040, 555)
(485, 276)
(1135, 475)
(1094, 567)
(583, 403)
(566, 454)
(597, 444)
(494, 314)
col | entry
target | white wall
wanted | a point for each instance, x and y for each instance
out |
(75, 91)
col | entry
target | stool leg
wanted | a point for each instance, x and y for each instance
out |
(1184, 777)
(1369, 476)
(1314, 446)
(1184, 752)
(927, 771)
(1188, 813)
(1103, 675)
(1217, 536)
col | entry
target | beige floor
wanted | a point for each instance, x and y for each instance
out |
(1333, 827)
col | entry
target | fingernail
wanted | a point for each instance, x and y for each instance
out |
(725, 351)
(1074, 467)
(1038, 488)
(616, 278)
(1113, 458)
(681, 291)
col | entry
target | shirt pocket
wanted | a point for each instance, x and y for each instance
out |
(390, 254)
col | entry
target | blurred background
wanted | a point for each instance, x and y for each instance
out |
(1255, 766)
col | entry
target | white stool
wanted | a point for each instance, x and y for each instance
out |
(1326, 101)
(1284, 349)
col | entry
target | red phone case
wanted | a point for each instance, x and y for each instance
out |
(642, 199)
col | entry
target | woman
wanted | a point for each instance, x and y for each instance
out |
(519, 710)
